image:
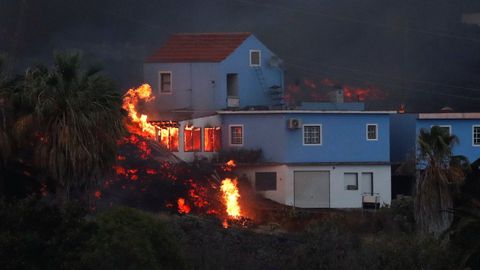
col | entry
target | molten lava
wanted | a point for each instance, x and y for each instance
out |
(230, 196)
(130, 103)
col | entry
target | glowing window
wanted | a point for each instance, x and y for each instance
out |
(192, 139)
(213, 139)
(169, 138)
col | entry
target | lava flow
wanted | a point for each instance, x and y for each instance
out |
(192, 191)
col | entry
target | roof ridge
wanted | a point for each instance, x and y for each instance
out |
(212, 33)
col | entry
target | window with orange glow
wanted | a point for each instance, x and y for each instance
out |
(192, 139)
(213, 139)
(168, 136)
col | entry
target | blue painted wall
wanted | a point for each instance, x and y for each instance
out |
(402, 136)
(343, 137)
(202, 87)
(462, 128)
(251, 91)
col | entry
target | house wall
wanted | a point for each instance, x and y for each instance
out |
(402, 137)
(462, 128)
(194, 86)
(343, 137)
(251, 92)
(339, 197)
(209, 121)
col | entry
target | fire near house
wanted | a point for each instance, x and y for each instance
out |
(223, 92)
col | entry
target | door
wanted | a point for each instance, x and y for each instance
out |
(367, 183)
(312, 189)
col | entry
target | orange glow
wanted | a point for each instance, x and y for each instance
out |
(183, 208)
(130, 103)
(230, 196)
(98, 194)
(229, 165)
(213, 139)
(192, 137)
(225, 224)
(168, 136)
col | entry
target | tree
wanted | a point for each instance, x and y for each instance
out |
(76, 119)
(437, 176)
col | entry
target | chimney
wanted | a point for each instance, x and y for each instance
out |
(336, 95)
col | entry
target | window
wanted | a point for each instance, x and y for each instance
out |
(312, 134)
(351, 181)
(236, 135)
(372, 132)
(192, 139)
(255, 58)
(265, 181)
(165, 82)
(169, 138)
(476, 135)
(213, 139)
(447, 129)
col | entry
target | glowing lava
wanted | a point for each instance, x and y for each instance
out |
(130, 102)
(230, 196)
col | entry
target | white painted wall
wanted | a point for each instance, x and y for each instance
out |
(339, 197)
(208, 121)
(281, 170)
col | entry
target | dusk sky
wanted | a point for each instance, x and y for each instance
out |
(419, 53)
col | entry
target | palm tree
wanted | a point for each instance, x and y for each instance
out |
(76, 118)
(438, 174)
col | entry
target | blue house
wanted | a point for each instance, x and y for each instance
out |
(224, 93)
(195, 75)
(314, 159)
(466, 126)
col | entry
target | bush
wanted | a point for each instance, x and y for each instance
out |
(130, 239)
(37, 236)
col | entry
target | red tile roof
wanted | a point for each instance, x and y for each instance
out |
(201, 47)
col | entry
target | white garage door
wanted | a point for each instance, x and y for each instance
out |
(312, 189)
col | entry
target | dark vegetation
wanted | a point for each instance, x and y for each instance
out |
(51, 166)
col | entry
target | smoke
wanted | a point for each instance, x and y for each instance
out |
(418, 52)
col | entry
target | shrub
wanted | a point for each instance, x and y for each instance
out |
(130, 239)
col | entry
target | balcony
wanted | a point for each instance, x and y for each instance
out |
(233, 102)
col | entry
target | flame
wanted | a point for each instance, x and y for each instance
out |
(130, 102)
(183, 208)
(230, 196)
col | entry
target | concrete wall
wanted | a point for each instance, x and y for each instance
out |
(343, 137)
(209, 121)
(339, 197)
(462, 128)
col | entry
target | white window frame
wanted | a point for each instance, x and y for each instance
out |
(445, 126)
(303, 135)
(376, 132)
(230, 135)
(259, 58)
(160, 82)
(473, 135)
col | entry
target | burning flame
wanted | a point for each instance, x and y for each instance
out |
(230, 196)
(183, 208)
(130, 102)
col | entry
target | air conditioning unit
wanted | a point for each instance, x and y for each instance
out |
(294, 123)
